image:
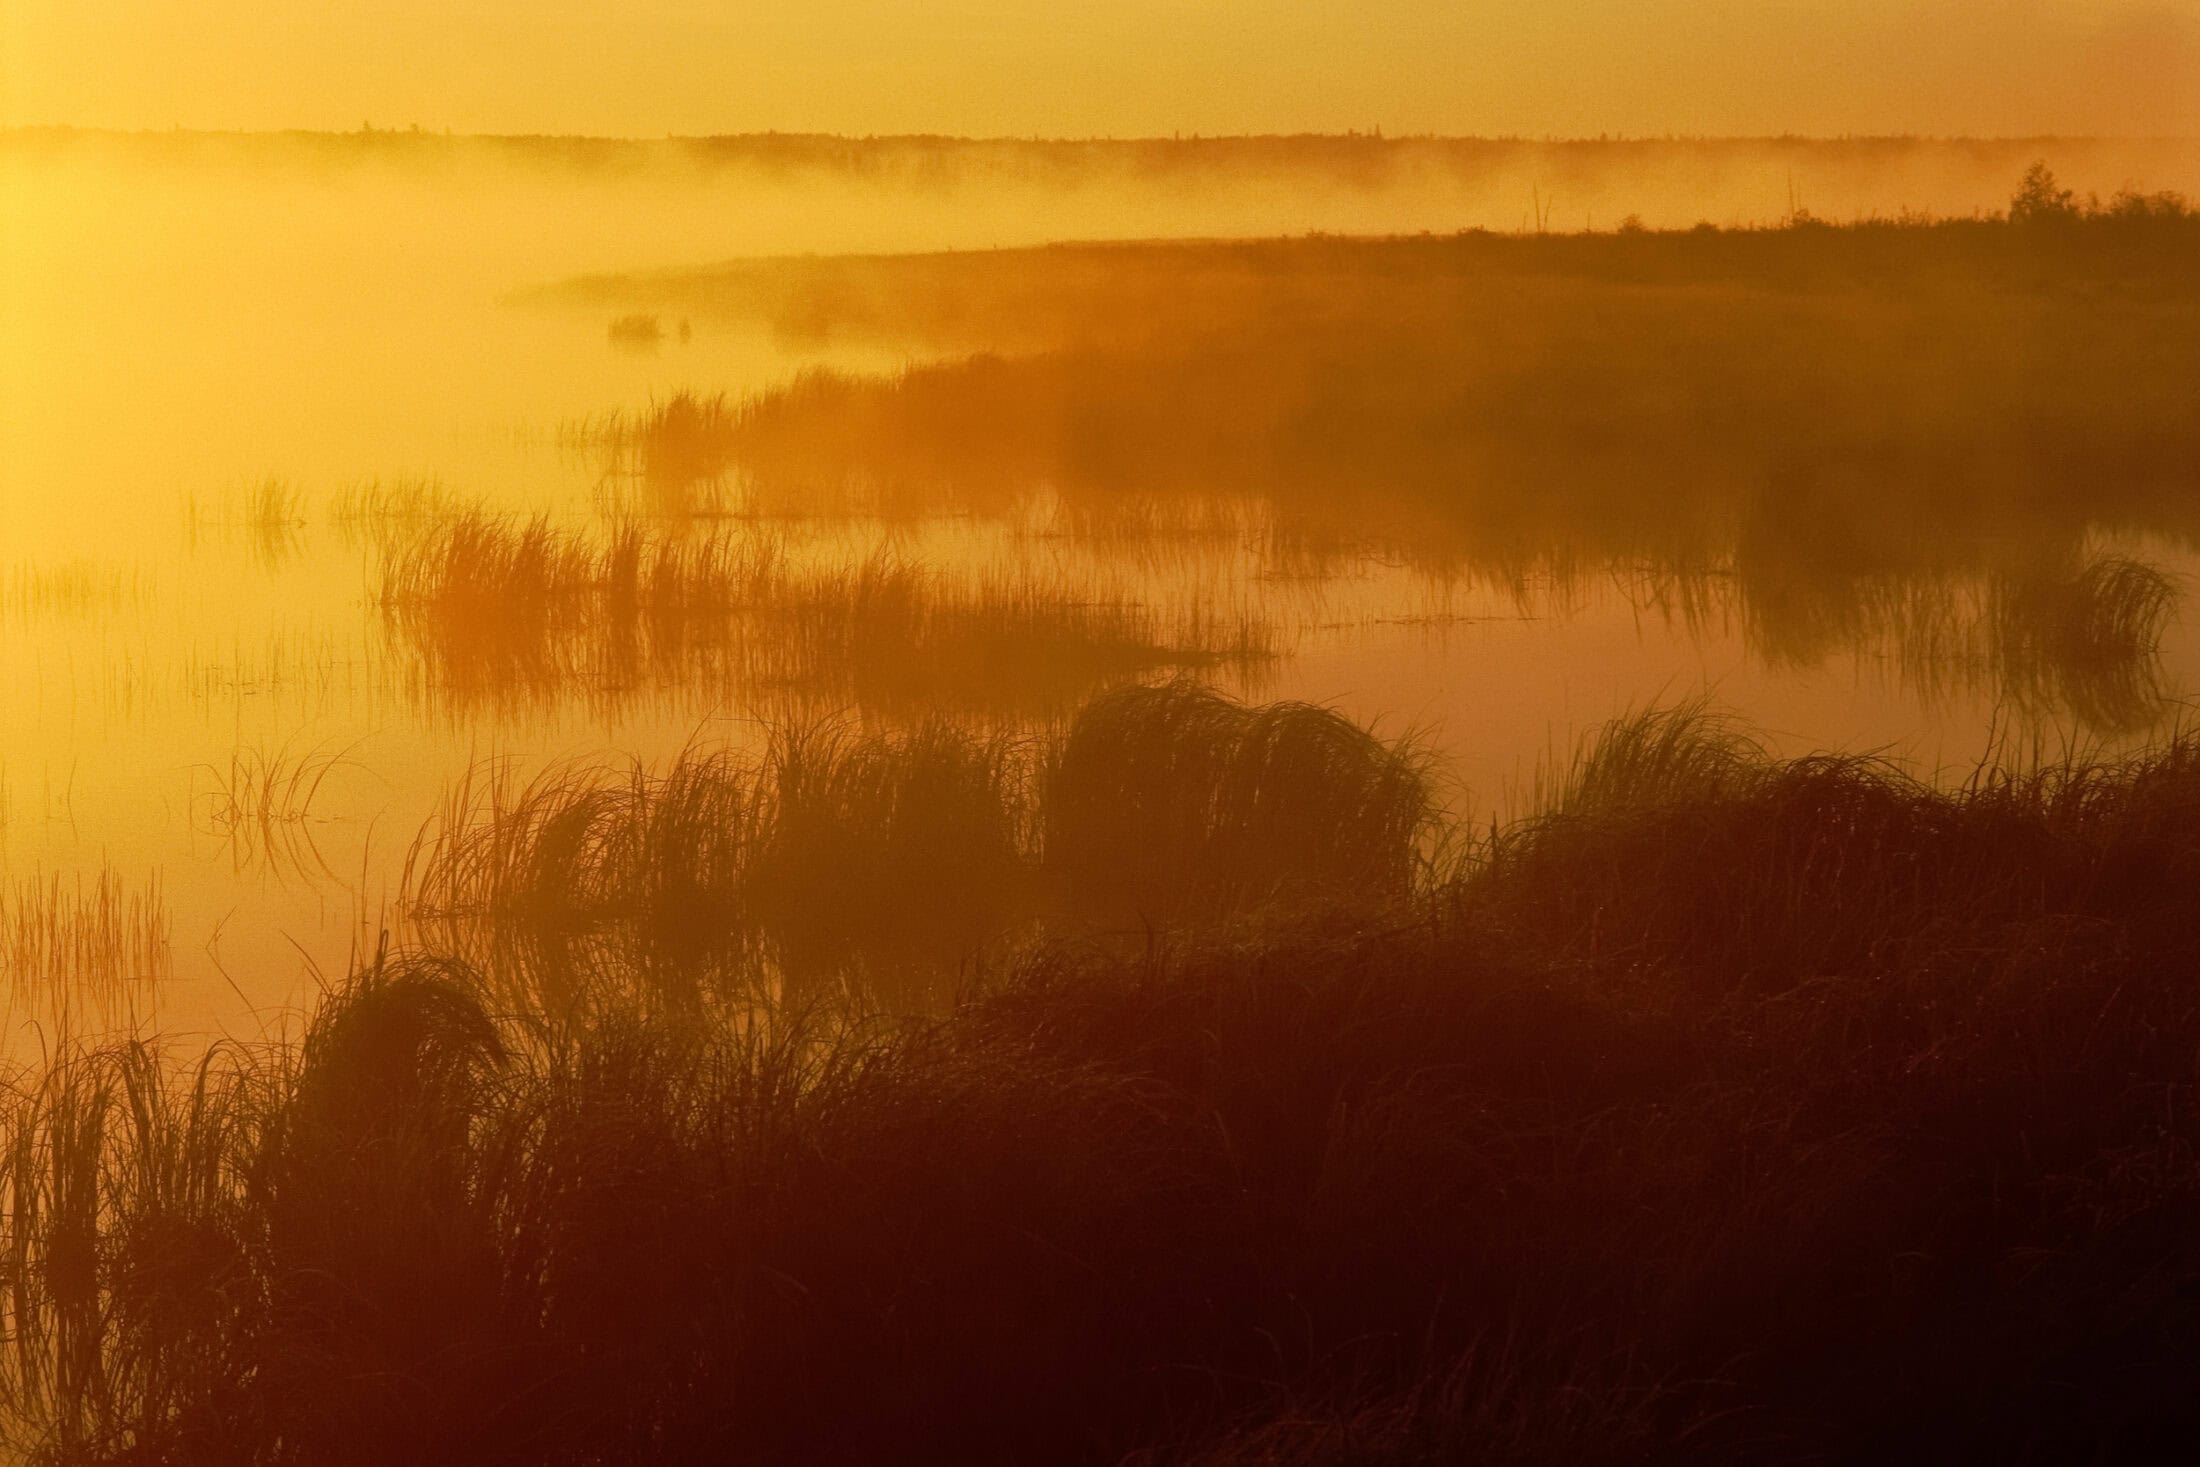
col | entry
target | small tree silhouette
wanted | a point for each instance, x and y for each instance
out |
(2039, 201)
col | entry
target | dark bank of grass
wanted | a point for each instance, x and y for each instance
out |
(1050, 296)
(870, 868)
(1877, 398)
(1877, 422)
(1727, 1109)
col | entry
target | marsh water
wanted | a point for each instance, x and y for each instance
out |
(222, 373)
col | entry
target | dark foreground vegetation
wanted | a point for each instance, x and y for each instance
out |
(1726, 1109)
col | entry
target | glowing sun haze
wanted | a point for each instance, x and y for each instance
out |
(1119, 67)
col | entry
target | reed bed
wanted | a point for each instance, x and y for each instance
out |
(75, 588)
(879, 868)
(102, 938)
(1724, 1108)
(382, 513)
(269, 517)
(1839, 423)
(636, 329)
(496, 609)
(2086, 639)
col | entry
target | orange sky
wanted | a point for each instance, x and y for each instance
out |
(1082, 67)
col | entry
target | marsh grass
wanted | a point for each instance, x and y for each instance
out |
(588, 877)
(269, 517)
(75, 588)
(1858, 430)
(877, 869)
(2087, 639)
(262, 806)
(500, 610)
(383, 513)
(1169, 800)
(1727, 1108)
(675, 449)
(103, 937)
(636, 331)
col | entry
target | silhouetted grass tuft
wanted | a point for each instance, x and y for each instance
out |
(1173, 799)
(875, 867)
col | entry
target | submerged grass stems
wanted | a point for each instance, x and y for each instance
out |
(74, 588)
(263, 807)
(498, 609)
(875, 868)
(102, 938)
(269, 516)
(382, 513)
(1730, 1109)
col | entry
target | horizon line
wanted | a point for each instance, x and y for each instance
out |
(1373, 136)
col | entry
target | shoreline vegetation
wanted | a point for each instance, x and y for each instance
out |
(1931, 442)
(1052, 1058)
(1727, 1107)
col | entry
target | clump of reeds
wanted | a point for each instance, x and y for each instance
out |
(886, 852)
(585, 878)
(263, 806)
(848, 865)
(1679, 845)
(491, 605)
(677, 443)
(1173, 798)
(824, 860)
(2086, 640)
(636, 329)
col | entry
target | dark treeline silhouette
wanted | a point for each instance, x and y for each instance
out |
(1725, 1109)
(1571, 169)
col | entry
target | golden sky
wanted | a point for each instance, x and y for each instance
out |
(1121, 67)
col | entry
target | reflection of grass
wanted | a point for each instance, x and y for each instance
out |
(2081, 638)
(268, 516)
(73, 588)
(262, 806)
(835, 858)
(498, 609)
(1844, 421)
(2086, 640)
(382, 511)
(98, 939)
(1727, 1108)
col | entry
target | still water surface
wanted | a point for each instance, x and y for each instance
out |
(174, 342)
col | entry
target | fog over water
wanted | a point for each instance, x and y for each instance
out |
(211, 346)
